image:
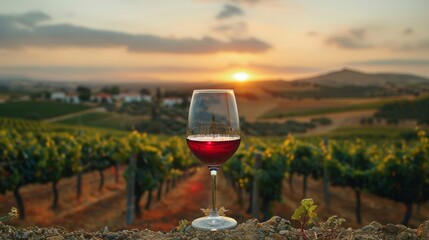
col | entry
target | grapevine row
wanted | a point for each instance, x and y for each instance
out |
(47, 157)
(394, 170)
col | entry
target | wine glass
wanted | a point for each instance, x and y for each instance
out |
(213, 136)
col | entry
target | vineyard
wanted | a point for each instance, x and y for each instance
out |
(395, 170)
(32, 153)
(46, 156)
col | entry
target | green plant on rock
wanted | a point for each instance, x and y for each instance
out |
(183, 224)
(305, 214)
(333, 223)
(331, 228)
(11, 215)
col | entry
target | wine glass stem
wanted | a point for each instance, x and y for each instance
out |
(213, 172)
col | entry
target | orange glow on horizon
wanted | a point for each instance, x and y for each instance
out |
(241, 76)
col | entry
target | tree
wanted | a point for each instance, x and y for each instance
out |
(158, 96)
(113, 90)
(84, 93)
(144, 91)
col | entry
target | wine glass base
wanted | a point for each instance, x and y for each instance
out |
(214, 223)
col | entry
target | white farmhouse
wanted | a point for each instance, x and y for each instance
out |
(131, 97)
(58, 96)
(147, 98)
(102, 98)
(171, 101)
(72, 98)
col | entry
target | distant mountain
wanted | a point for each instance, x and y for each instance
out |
(348, 77)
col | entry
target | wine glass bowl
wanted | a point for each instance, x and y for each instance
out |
(213, 136)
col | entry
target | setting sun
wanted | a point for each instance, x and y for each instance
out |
(241, 76)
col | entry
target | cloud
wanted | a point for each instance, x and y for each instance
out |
(408, 31)
(231, 30)
(108, 69)
(420, 45)
(64, 70)
(26, 30)
(353, 39)
(281, 69)
(312, 33)
(241, 1)
(31, 18)
(250, 1)
(229, 11)
(393, 62)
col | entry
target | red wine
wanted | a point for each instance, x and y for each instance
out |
(213, 150)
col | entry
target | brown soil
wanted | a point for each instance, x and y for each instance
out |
(107, 208)
(95, 210)
(342, 204)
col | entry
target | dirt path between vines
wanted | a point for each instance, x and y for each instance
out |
(342, 204)
(95, 209)
(182, 202)
(75, 114)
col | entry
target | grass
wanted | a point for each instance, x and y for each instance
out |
(37, 110)
(104, 120)
(393, 132)
(324, 110)
(38, 126)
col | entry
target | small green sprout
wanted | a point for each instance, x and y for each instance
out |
(332, 224)
(182, 225)
(11, 215)
(220, 212)
(305, 214)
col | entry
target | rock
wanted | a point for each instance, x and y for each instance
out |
(401, 228)
(277, 236)
(390, 228)
(283, 225)
(248, 230)
(406, 236)
(423, 231)
(24, 234)
(55, 238)
(365, 237)
(375, 225)
(187, 229)
(368, 228)
(274, 220)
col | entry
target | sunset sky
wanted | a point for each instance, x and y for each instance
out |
(210, 40)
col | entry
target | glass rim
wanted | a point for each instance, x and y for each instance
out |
(213, 90)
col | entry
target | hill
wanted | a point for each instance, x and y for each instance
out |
(348, 77)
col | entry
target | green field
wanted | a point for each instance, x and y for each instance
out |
(389, 132)
(37, 110)
(318, 111)
(104, 120)
(39, 126)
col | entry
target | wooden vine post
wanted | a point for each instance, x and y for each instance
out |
(255, 186)
(129, 216)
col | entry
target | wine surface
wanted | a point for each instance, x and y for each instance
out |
(213, 150)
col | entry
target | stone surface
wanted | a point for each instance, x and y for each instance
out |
(424, 230)
(390, 228)
(375, 225)
(276, 228)
(406, 236)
